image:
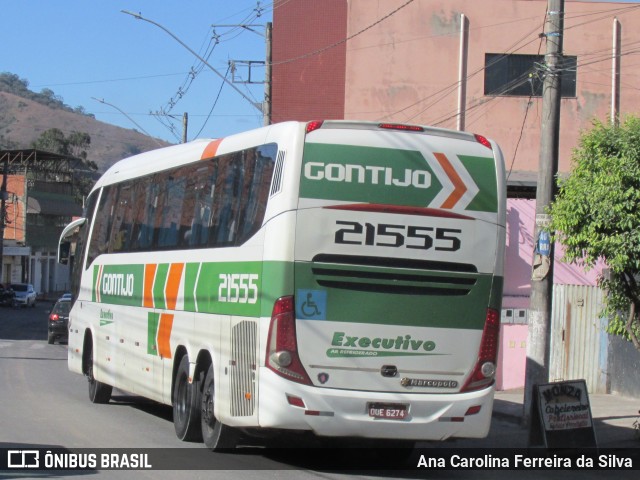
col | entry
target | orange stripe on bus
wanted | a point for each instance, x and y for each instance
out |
(173, 285)
(459, 187)
(211, 149)
(164, 335)
(149, 276)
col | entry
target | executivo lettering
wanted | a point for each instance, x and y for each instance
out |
(352, 346)
(374, 175)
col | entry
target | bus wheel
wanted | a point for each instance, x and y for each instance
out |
(216, 435)
(186, 404)
(98, 392)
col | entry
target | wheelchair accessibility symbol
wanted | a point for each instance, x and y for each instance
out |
(311, 304)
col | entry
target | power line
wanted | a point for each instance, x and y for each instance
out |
(452, 88)
(345, 40)
(131, 119)
(109, 80)
(138, 16)
(214, 104)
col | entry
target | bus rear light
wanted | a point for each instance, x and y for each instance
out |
(485, 369)
(474, 410)
(483, 140)
(399, 126)
(295, 401)
(282, 345)
(315, 125)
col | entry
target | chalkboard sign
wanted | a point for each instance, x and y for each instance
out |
(561, 416)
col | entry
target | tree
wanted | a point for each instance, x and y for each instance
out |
(596, 215)
(74, 145)
(55, 141)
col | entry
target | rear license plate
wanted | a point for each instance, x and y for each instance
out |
(392, 411)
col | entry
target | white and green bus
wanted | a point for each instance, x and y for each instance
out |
(341, 278)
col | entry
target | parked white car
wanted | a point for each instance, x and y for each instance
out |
(25, 295)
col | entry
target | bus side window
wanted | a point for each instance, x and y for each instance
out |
(102, 227)
(196, 211)
(258, 173)
(224, 202)
(169, 217)
(78, 266)
(121, 230)
(139, 228)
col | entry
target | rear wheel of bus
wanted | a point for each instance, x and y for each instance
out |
(186, 404)
(215, 434)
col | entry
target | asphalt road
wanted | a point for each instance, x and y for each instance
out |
(44, 406)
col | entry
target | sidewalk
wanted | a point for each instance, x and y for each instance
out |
(613, 418)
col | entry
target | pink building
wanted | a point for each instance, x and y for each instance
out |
(474, 65)
(465, 64)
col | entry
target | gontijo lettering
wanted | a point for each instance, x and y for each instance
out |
(375, 175)
(118, 284)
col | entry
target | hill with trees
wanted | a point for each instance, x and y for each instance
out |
(26, 115)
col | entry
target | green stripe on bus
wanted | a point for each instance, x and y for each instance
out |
(228, 288)
(118, 284)
(365, 301)
(153, 319)
(483, 172)
(277, 281)
(159, 285)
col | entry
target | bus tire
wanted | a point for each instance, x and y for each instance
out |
(215, 434)
(186, 404)
(98, 392)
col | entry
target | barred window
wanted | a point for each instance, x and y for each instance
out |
(523, 75)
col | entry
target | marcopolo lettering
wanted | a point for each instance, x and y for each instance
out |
(341, 339)
(118, 284)
(374, 175)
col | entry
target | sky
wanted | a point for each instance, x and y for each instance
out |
(132, 73)
(89, 52)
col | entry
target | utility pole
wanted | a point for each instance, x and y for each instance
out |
(615, 73)
(462, 72)
(185, 125)
(267, 76)
(268, 35)
(3, 209)
(538, 343)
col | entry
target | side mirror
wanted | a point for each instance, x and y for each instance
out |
(67, 237)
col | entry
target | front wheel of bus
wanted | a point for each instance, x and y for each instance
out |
(216, 435)
(186, 404)
(98, 392)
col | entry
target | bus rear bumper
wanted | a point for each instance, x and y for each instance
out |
(335, 412)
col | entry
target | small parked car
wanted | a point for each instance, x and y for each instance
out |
(59, 321)
(25, 295)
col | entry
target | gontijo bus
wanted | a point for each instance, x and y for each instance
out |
(338, 277)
